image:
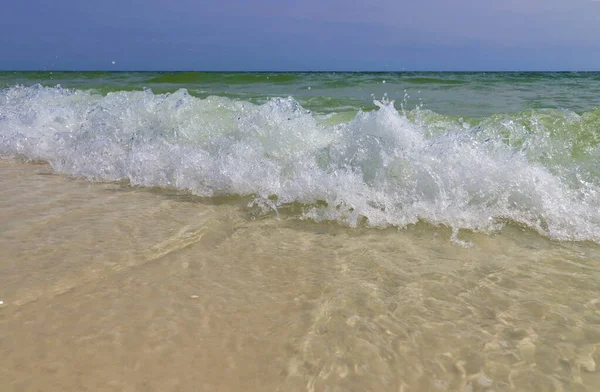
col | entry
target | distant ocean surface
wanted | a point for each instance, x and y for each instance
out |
(473, 151)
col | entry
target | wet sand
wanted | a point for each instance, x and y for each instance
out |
(107, 287)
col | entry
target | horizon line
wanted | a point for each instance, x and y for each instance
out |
(299, 71)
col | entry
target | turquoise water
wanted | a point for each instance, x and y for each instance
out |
(449, 93)
(470, 151)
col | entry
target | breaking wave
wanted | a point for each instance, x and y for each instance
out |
(385, 168)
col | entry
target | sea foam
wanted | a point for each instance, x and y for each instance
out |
(383, 168)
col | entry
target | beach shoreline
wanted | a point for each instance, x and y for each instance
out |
(112, 287)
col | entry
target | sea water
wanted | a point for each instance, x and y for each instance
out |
(318, 231)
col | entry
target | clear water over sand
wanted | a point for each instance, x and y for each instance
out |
(299, 232)
(109, 287)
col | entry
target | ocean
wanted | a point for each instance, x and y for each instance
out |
(300, 231)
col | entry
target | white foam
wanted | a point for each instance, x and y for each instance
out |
(380, 166)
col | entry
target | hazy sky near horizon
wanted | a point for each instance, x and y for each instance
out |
(311, 35)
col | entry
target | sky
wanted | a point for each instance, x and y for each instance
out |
(309, 35)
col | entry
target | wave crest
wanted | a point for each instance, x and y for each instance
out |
(384, 167)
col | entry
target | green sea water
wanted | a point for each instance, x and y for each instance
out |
(467, 94)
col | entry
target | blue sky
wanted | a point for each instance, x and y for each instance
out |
(308, 35)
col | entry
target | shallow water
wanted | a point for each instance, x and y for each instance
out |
(299, 231)
(110, 287)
